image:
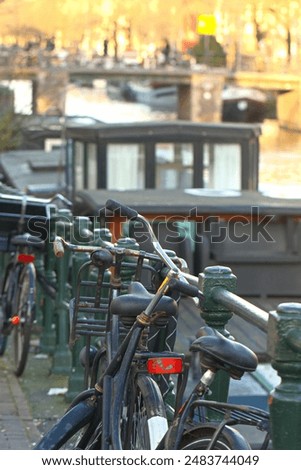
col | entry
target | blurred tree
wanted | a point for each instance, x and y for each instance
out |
(78, 22)
(209, 52)
(284, 21)
(10, 134)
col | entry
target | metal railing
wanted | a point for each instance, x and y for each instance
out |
(283, 328)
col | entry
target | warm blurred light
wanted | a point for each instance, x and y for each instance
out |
(249, 29)
(83, 25)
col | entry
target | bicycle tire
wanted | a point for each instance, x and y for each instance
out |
(3, 344)
(146, 422)
(74, 429)
(24, 308)
(199, 438)
(7, 296)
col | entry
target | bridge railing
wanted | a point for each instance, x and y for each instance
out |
(283, 328)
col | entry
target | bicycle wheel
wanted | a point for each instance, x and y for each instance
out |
(146, 423)
(23, 308)
(200, 438)
(75, 430)
(3, 343)
(7, 297)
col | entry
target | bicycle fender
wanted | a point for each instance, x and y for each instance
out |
(77, 417)
(234, 437)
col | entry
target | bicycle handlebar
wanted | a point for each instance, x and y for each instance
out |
(57, 197)
(179, 280)
(183, 282)
(58, 247)
(131, 214)
(186, 288)
(125, 211)
(61, 198)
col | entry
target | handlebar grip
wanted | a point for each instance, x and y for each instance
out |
(187, 289)
(126, 211)
(58, 248)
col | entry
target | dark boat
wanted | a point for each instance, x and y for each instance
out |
(243, 105)
(157, 97)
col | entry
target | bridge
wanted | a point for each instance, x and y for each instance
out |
(168, 75)
(199, 89)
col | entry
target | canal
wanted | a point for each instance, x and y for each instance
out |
(280, 160)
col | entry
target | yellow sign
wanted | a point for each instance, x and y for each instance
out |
(206, 25)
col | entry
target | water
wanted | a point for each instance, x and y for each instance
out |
(98, 103)
(23, 95)
(280, 160)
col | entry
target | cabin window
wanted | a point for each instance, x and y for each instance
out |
(79, 165)
(91, 167)
(174, 165)
(125, 166)
(85, 165)
(222, 166)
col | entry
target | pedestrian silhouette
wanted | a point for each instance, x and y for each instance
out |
(166, 51)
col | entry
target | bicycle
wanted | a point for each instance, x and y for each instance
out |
(125, 409)
(190, 428)
(19, 286)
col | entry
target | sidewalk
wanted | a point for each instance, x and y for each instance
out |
(26, 409)
(17, 428)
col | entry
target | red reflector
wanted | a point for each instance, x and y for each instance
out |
(15, 320)
(24, 258)
(165, 365)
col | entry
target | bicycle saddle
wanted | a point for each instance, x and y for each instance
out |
(25, 239)
(220, 353)
(131, 304)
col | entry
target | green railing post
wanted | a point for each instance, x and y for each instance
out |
(61, 363)
(39, 297)
(82, 234)
(48, 335)
(127, 272)
(4, 257)
(216, 316)
(284, 347)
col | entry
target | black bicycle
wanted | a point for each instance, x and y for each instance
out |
(19, 286)
(18, 299)
(125, 408)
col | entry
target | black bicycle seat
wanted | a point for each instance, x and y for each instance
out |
(220, 353)
(136, 301)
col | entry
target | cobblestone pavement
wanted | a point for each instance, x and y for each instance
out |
(17, 428)
(27, 410)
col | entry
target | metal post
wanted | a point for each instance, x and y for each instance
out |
(48, 335)
(62, 357)
(81, 234)
(216, 316)
(127, 273)
(284, 347)
(39, 297)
